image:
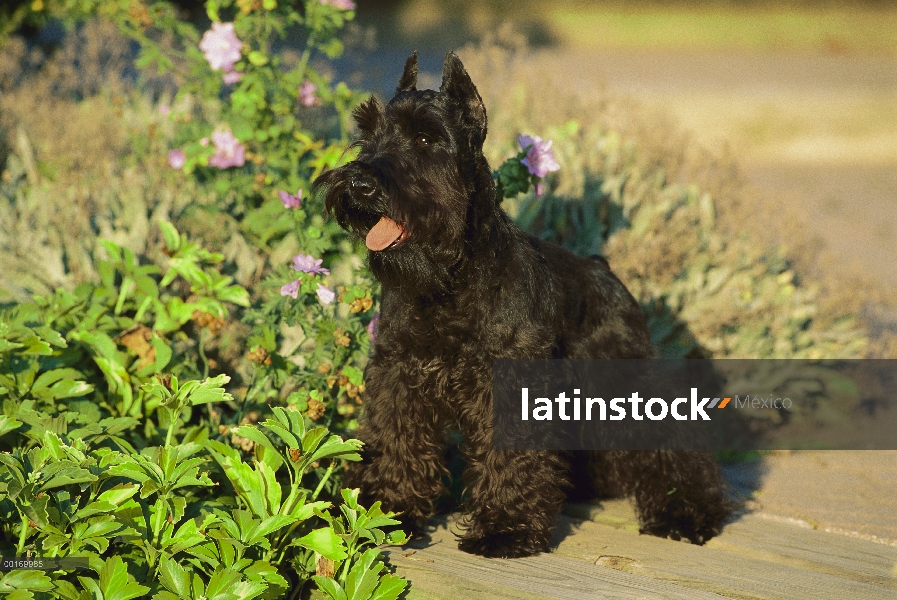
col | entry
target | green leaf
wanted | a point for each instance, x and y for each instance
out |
(234, 294)
(174, 578)
(330, 587)
(6, 345)
(333, 48)
(163, 353)
(64, 474)
(208, 390)
(171, 236)
(258, 58)
(389, 588)
(272, 524)
(117, 495)
(187, 536)
(325, 542)
(212, 10)
(33, 581)
(51, 336)
(36, 510)
(273, 456)
(364, 575)
(70, 389)
(336, 447)
(116, 583)
(221, 583)
(35, 346)
(8, 424)
(43, 386)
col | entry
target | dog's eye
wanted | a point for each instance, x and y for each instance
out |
(422, 140)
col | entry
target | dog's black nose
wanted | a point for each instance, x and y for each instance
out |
(365, 187)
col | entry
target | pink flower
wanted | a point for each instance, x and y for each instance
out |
(325, 295)
(204, 141)
(373, 325)
(229, 152)
(340, 4)
(540, 159)
(290, 289)
(540, 189)
(164, 109)
(307, 95)
(221, 46)
(177, 158)
(232, 77)
(307, 264)
(291, 201)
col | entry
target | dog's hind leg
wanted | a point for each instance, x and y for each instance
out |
(678, 494)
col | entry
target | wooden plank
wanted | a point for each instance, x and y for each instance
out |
(784, 543)
(440, 570)
(776, 539)
(753, 558)
(749, 560)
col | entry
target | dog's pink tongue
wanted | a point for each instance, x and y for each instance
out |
(384, 233)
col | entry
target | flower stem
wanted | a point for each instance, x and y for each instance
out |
(23, 535)
(324, 479)
(202, 352)
(170, 430)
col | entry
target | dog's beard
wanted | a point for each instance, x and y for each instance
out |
(431, 213)
(410, 270)
(423, 261)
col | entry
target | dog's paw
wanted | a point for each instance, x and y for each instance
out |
(512, 544)
(696, 533)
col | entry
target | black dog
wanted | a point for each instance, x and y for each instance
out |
(463, 285)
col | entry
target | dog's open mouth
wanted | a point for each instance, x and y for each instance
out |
(385, 234)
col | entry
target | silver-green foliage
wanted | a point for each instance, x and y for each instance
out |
(707, 292)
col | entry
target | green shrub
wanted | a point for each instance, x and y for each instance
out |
(141, 380)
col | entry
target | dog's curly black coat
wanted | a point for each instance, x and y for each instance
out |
(462, 286)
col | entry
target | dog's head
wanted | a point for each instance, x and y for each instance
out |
(419, 168)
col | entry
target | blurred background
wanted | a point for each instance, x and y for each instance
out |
(786, 112)
(799, 97)
(804, 92)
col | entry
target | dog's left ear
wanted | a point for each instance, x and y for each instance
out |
(457, 85)
(408, 82)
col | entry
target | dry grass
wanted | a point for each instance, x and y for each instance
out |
(69, 177)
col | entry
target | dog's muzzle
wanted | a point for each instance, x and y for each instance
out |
(362, 187)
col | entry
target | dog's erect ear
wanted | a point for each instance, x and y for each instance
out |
(369, 115)
(408, 82)
(457, 84)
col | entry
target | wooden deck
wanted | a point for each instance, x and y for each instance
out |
(598, 553)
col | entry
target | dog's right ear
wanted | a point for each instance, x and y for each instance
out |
(408, 82)
(369, 115)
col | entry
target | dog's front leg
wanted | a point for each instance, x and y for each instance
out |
(403, 461)
(513, 495)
